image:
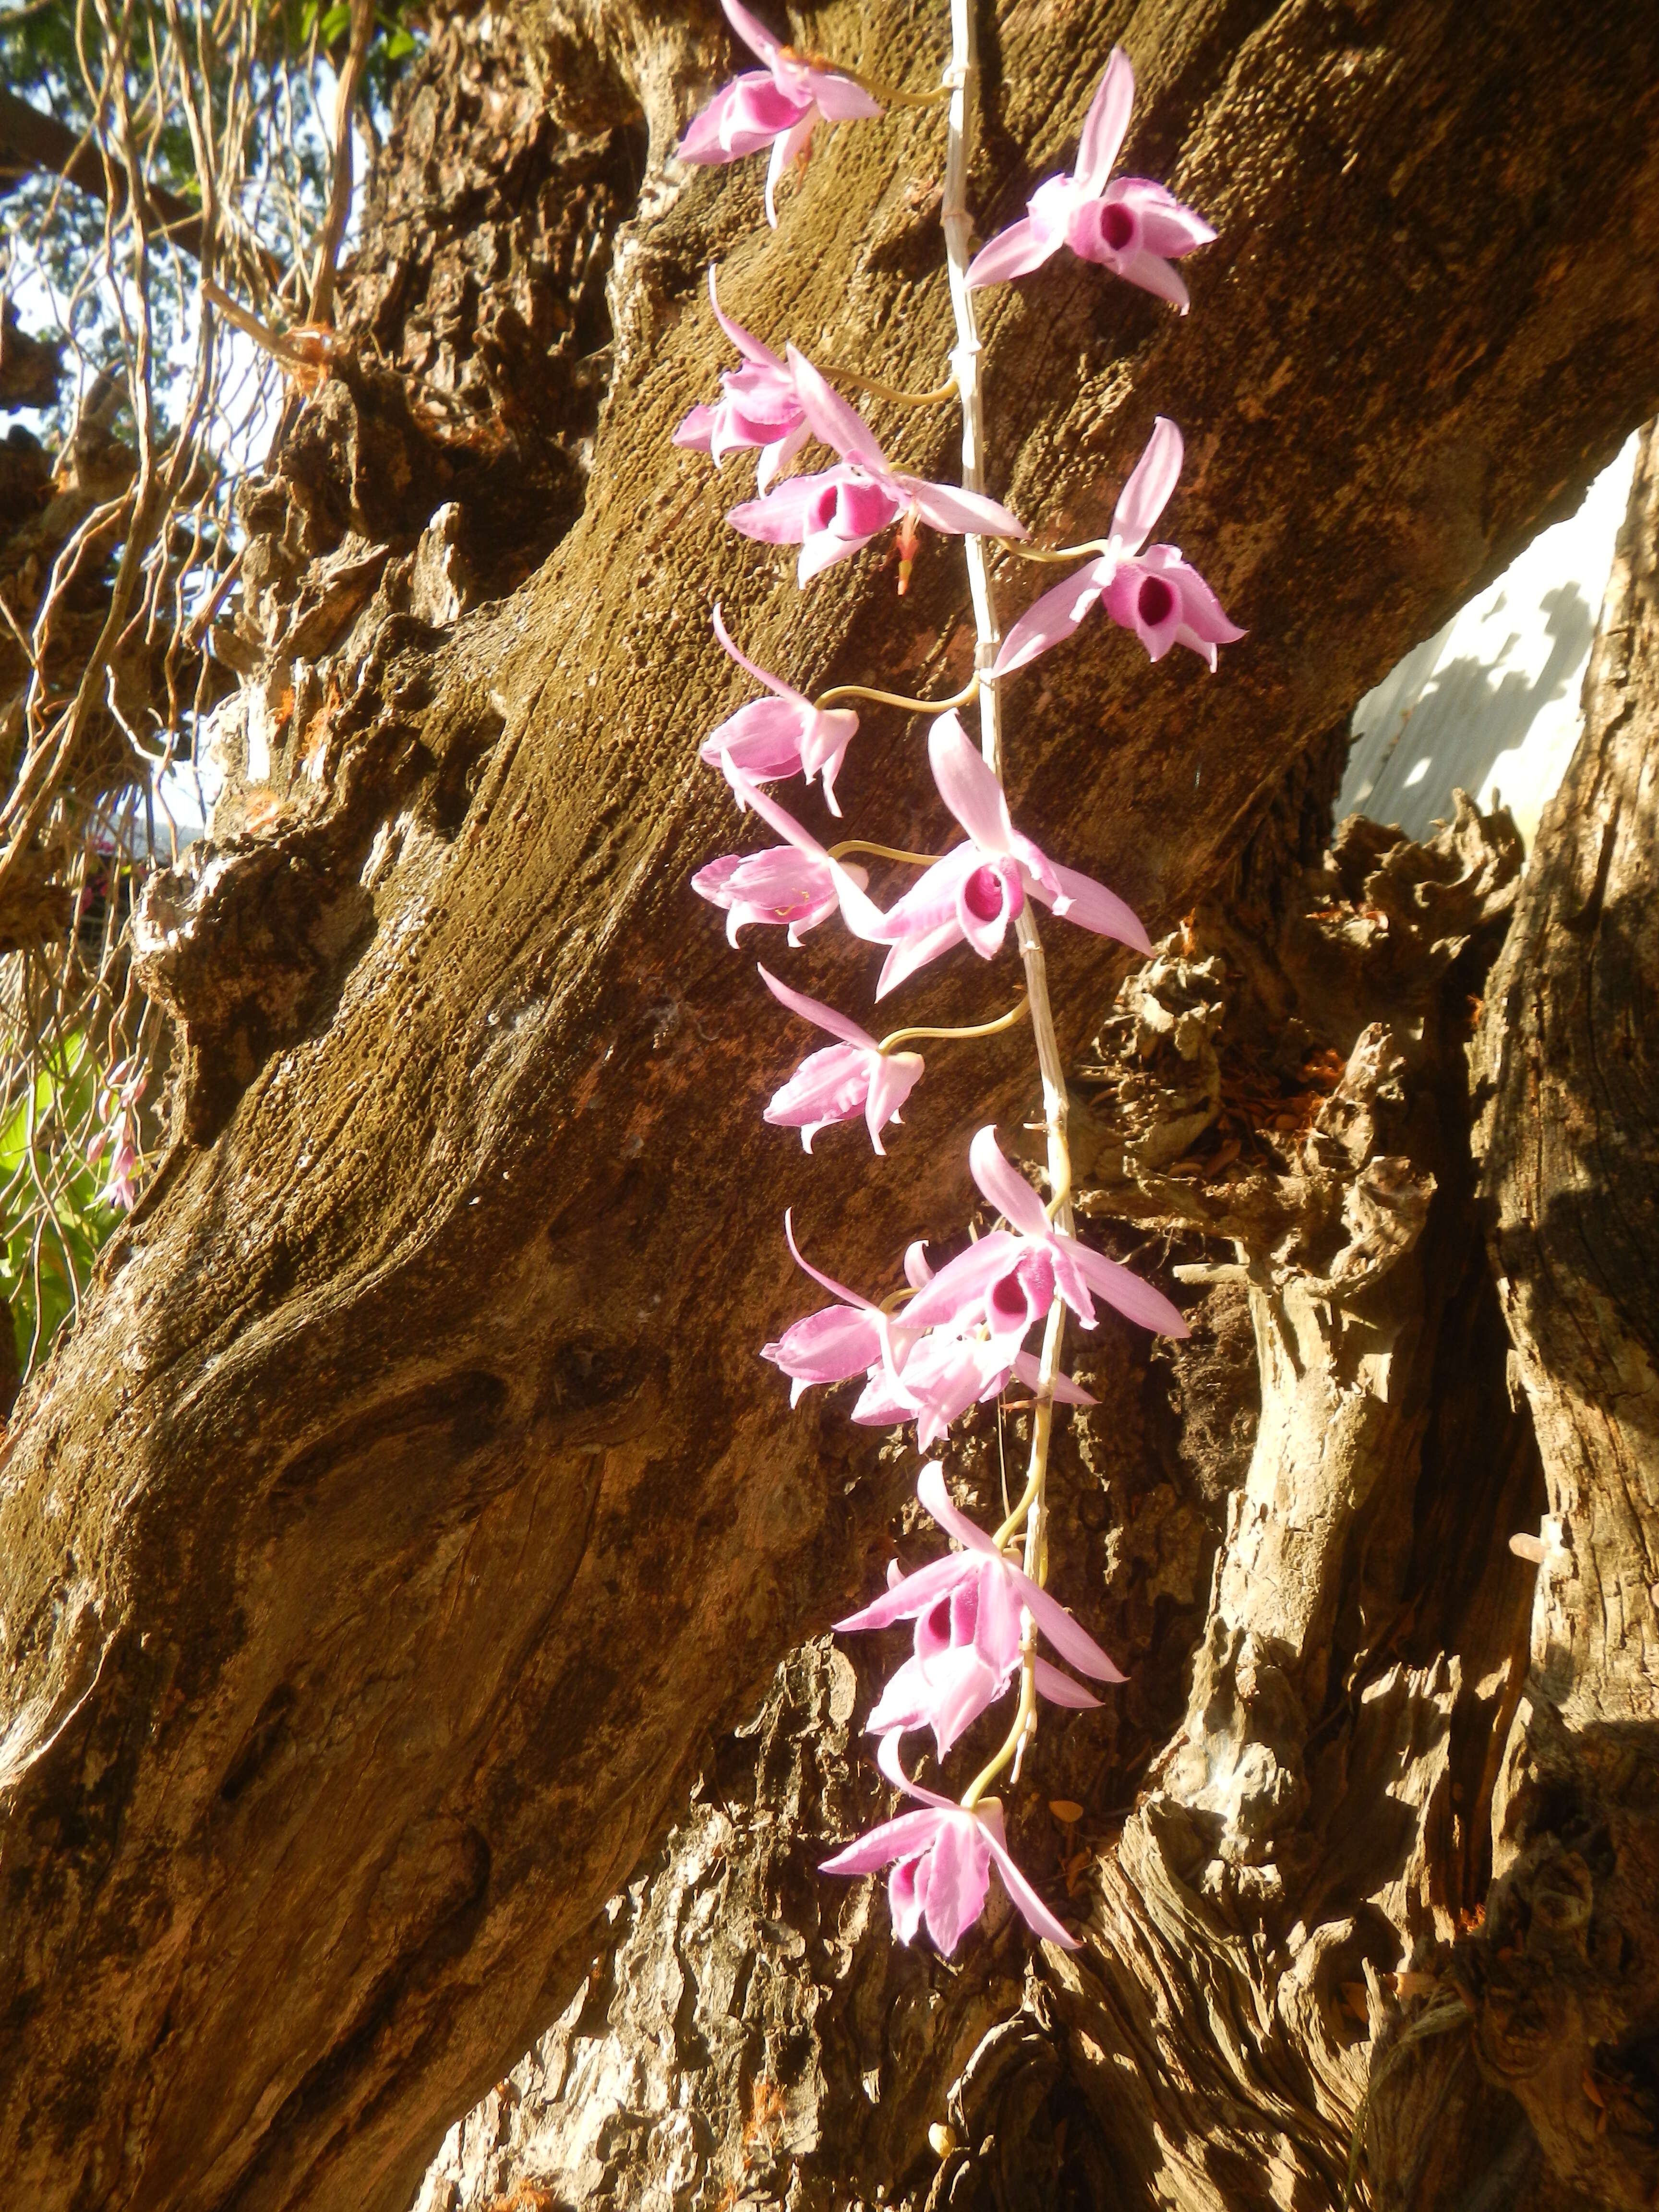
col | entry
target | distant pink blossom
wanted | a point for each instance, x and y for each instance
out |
(1155, 593)
(834, 512)
(941, 1860)
(117, 1110)
(760, 406)
(784, 735)
(1132, 227)
(845, 1079)
(779, 106)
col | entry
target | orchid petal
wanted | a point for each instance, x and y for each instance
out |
(961, 514)
(893, 1076)
(968, 786)
(828, 1282)
(815, 1011)
(1105, 124)
(958, 1289)
(1053, 616)
(1030, 1907)
(1091, 906)
(891, 1764)
(751, 29)
(1025, 246)
(911, 1595)
(1072, 1640)
(823, 549)
(784, 151)
(1005, 1187)
(696, 432)
(1122, 1287)
(1146, 493)
(936, 1499)
(778, 455)
(1064, 1391)
(958, 1880)
(1149, 272)
(750, 668)
(840, 100)
(834, 420)
(748, 345)
(911, 953)
(893, 1839)
(788, 512)
(1059, 1689)
(764, 739)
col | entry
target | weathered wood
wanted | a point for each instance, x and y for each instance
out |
(1566, 1982)
(375, 1557)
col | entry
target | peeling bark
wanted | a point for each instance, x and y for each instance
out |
(378, 1554)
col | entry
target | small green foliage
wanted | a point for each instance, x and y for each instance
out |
(54, 1221)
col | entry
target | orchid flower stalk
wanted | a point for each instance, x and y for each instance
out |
(956, 1333)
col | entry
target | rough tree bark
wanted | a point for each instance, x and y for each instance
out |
(379, 1553)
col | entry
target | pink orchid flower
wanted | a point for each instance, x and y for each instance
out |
(1002, 1588)
(967, 1611)
(760, 407)
(1009, 1279)
(853, 1077)
(935, 1382)
(837, 1341)
(934, 1376)
(833, 513)
(941, 1859)
(784, 735)
(1133, 227)
(1153, 594)
(778, 106)
(972, 895)
(777, 885)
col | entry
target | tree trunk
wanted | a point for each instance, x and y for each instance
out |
(380, 1551)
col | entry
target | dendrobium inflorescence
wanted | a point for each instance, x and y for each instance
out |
(1133, 227)
(993, 1316)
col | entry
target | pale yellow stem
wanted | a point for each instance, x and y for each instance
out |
(1088, 547)
(843, 374)
(981, 1029)
(1024, 1725)
(896, 699)
(883, 853)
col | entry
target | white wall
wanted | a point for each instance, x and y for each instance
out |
(1490, 703)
